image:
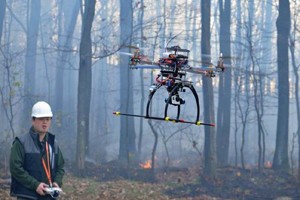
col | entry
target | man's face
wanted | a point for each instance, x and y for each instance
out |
(41, 125)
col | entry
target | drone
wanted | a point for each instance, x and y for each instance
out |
(173, 66)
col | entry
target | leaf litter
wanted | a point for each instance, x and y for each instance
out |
(109, 181)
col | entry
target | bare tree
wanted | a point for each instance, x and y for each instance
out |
(296, 68)
(30, 61)
(283, 24)
(127, 150)
(2, 14)
(224, 104)
(66, 26)
(142, 104)
(153, 153)
(2, 17)
(9, 92)
(84, 85)
(259, 110)
(208, 98)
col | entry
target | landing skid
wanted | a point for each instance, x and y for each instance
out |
(168, 119)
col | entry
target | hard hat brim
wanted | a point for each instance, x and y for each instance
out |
(40, 116)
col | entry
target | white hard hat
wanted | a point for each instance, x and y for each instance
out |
(41, 109)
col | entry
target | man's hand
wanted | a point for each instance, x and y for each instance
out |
(41, 188)
(55, 184)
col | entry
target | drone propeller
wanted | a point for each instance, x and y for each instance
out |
(209, 68)
(136, 57)
(135, 53)
(201, 62)
(125, 53)
(136, 48)
(132, 47)
(224, 57)
(196, 70)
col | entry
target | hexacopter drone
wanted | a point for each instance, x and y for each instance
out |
(173, 67)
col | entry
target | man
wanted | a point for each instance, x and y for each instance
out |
(36, 162)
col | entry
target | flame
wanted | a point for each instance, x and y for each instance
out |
(146, 164)
(268, 164)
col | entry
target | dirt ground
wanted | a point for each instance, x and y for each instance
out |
(108, 182)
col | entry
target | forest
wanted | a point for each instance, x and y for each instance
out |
(77, 56)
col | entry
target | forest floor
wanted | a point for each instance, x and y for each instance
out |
(108, 182)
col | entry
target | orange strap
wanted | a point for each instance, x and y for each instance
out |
(47, 168)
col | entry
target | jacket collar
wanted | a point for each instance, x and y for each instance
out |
(35, 136)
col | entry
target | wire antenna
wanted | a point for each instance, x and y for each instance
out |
(172, 38)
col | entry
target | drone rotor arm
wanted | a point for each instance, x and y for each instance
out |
(145, 67)
(148, 62)
(197, 70)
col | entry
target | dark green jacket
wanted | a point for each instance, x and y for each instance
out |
(26, 166)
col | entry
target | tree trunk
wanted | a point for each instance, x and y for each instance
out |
(66, 31)
(84, 85)
(293, 54)
(127, 150)
(142, 104)
(2, 15)
(283, 23)
(208, 98)
(224, 104)
(30, 60)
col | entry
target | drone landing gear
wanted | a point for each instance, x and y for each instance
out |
(168, 119)
(172, 94)
(174, 98)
